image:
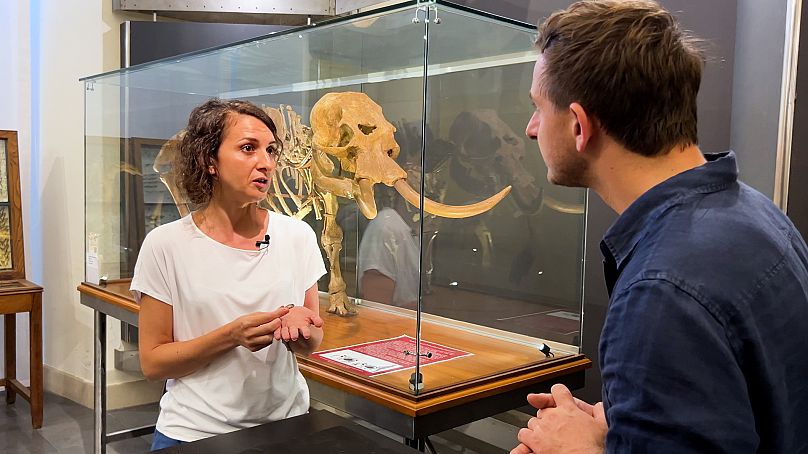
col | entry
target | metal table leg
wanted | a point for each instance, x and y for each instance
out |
(100, 384)
(430, 446)
(417, 443)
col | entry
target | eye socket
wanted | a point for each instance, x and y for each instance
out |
(390, 152)
(345, 135)
(274, 149)
(366, 129)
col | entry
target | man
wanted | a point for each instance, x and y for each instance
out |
(704, 344)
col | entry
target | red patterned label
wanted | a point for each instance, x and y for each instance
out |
(387, 355)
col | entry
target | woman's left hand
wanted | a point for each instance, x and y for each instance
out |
(297, 323)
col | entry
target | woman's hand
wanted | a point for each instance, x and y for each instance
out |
(297, 323)
(302, 327)
(162, 357)
(257, 330)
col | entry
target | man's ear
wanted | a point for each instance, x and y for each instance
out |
(584, 126)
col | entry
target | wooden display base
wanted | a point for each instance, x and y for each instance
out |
(495, 355)
(503, 366)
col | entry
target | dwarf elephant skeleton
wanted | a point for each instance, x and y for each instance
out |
(347, 129)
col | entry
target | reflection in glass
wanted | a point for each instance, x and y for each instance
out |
(3, 172)
(387, 263)
(5, 238)
(159, 207)
(518, 266)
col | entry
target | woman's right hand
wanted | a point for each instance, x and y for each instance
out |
(256, 331)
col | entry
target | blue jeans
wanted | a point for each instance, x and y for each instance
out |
(160, 441)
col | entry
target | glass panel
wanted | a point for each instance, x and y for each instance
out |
(514, 273)
(506, 280)
(3, 172)
(5, 238)
(346, 53)
(132, 113)
(103, 170)
(159, 207)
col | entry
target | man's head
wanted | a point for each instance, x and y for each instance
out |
(627, 66)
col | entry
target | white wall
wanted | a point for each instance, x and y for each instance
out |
(15, 96)
(52, 45)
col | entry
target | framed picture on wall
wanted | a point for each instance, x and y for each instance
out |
(145, 201)
(12, 255)
(158, 206)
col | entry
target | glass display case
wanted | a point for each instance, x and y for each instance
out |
(435, 301)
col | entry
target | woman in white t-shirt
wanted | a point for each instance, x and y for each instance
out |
(223, 309)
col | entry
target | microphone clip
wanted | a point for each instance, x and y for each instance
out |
(265, 242)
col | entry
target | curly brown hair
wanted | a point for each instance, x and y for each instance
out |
(203, 137)
(629, 64)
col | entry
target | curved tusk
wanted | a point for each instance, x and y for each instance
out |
(449, 211)
(365, 200)
(563, 207)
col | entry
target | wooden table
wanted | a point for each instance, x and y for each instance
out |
(18, 296)
(504, 367)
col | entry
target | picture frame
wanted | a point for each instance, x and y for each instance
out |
(158, 206)
(146, 203)
(12, 248)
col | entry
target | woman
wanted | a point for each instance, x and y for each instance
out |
(214, 293)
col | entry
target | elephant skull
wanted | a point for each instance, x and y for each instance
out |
(352, 128)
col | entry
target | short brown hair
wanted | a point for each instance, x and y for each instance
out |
(629, 65)
(202, 139)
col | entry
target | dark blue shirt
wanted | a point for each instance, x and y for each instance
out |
(705, 344)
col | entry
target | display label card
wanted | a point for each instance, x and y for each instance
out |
(387, 355)
(91, 260)
(91, 271)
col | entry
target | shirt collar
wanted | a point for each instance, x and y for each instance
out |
(717, 173)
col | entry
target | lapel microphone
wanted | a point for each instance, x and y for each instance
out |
(264, 242)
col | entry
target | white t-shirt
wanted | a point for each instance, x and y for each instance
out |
(209, 284)
(389, 247)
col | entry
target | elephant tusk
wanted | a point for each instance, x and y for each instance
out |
(365, 200)
(562, 207)
(449, 211)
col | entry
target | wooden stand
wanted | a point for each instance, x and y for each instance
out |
(15, 297)
(16, 294)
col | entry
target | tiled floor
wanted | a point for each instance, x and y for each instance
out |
(68, 429)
